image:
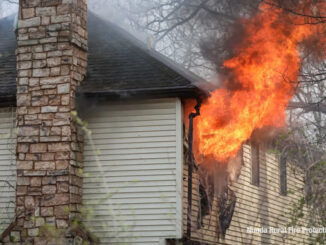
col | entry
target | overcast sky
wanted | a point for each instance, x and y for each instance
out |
(105, 8)
(101, 7)
(7, 8)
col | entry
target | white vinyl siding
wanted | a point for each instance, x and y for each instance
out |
(133, 194)
(7, 167)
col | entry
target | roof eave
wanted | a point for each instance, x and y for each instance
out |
(183, 92)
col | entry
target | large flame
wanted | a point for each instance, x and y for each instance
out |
(266, 69)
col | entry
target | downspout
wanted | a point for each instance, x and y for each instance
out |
(191, 164)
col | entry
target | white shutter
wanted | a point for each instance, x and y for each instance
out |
(7, 167)
(136, 187)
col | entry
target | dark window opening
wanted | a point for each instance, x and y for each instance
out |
(255, 164)
(241, 154)
(283, 176)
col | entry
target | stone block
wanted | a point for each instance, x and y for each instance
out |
(56, 53)
(47, 211)
(49, 189)
(62, 164)
(50, 139)
(24, 65)
(44, 165)
(39, 63)
(55, 199)
(23, 81)
(23, 181)
(60, 18)
(58, 172)
(21, 190)
(61, 223)
(22, 50)
(39, 56)
(27, 42)
(24, 165)
(23, 57)
(54, 80)
(49, 180)
(28, 131)
(37, 49)
(57, 147)
(37, 35)
(38, 148)
(33, 232)
(41, 72)
(48, 40)
(45, 20)
(31, 3)
(63, 187)
(39, 221)
(24, 148)
(36, 181)
(35, 173)
(54, 27)
(64, 88)
(56, 71)
(54, 100)
(33, 82)
(64, 9)
(36, 21)
(61, 122)
(49, 109)
(28, 13)
(52, 62)
(29, 202)
(47, 156)
(23, 100)
(24, 73)
(45, 11)
(61, 212)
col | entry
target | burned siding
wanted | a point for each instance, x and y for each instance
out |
(256, 206)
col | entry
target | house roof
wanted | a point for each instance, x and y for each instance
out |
(118, 65)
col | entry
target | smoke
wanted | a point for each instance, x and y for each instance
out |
(119, 13)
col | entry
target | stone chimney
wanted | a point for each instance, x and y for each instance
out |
(51, 62)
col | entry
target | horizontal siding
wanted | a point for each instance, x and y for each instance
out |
(132, 191)
(7, 167)
(261, 206)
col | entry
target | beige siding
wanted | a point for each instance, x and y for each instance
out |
(134, 191)
(7, 168)
(257, 207)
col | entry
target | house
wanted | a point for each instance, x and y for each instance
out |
(127, 179)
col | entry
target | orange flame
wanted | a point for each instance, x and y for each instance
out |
(266, 67)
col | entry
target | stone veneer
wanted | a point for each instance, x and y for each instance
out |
(51, 62)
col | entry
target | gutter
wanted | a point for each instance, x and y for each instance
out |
(191, 164)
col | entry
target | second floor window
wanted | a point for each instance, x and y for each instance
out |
(255, 164)
(283, 176)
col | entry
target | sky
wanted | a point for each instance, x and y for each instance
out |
(7, 8)
(103, 8)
